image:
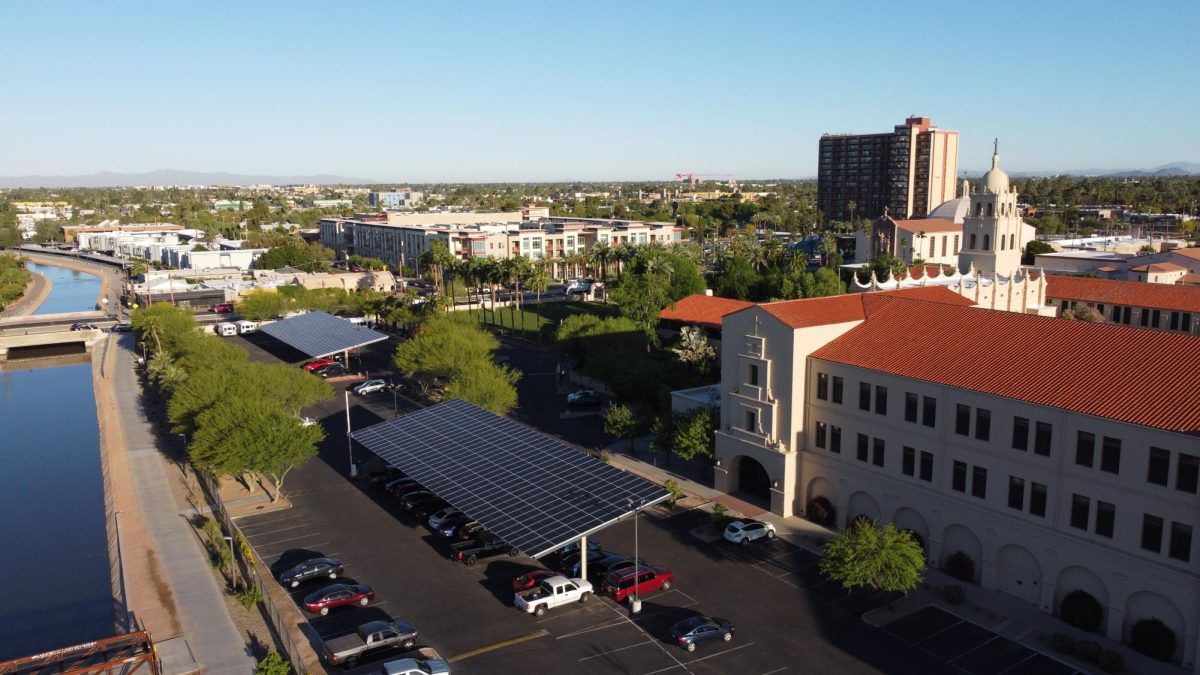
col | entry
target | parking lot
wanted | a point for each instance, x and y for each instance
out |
(787, 617)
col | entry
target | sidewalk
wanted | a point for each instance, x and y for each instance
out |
(996, 611)
(210, 642)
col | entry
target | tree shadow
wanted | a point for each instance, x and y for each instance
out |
(499, 575)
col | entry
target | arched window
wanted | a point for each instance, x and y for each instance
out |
(1012, 241)
(978, 209)
(987, 242)
(972, 244)
(1002, 242)
(989, 210)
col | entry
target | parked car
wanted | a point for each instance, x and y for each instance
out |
(700, 629)
(311, 569)
(428, 662)
(484, 545)
(447, 528)
(620, 584)
(384, 477)
(331, 370)
(83, 325)
(572, 567)
(428, 507)
(617, 564)
(583, 398)
(370, 638)
(745, 531)
(223, 308)
(338, 595)
(370, 387)
(436, 520)
(317, 363)
(464, 530)
(530, 579)
(551, 593)
(573, 548)
(121, 327)
(403, 486)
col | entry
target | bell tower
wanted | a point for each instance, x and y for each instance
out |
(992, 227)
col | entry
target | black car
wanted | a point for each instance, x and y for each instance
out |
(311, 569)
(584, 398)
(450, 524)
(83, 325)
(401, 487)
(463, 531)
(121, 327)
(414, 499)
(428, 507)
(699, 629)
(331, 370)
(605, 567)
(379, 479)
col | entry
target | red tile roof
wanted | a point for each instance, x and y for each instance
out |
(929, 225)
(1125, 293)
(1192, 252)
(1031, 358)
(702, 310)
(1159, 267)
(845, 308)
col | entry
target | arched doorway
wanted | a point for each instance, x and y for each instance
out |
(1019, 573)
(754, 484)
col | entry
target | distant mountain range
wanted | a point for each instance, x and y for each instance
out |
(1172, 169)
(172, 177)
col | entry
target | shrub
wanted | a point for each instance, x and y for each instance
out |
(248, 596)
(1087, 650)
(675, 489)
(720, 514)
(960, 566)
(274, 664)
(821, 512)
(1111, 662)
(1061, 642)
(1080, 609)
(955, 594)
(1152, 638)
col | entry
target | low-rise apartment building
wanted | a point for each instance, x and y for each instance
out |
(1131, 303)
(1058, 455)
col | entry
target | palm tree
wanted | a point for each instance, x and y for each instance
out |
(515, 270)
(468, 271)
(601, 253)
(538, 280)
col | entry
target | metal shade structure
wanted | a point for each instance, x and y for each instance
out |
(533, 491)
(320, 334)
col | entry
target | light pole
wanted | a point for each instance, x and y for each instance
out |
(635, 605)
(349, 440)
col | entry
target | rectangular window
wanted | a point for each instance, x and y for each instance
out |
(877, 452)
(958, 480)
(910, 407)
(909, 464)
(1085, 449)
(880, 400)
(753, 375)
(1174, 320)
(820, 441)
(1110, 455)
(751, 421)
(979, 482)
(1152, 531)
(1042, 435)
(1116, 314)
(1037, 499)
(864, 396)
(944, 239)
(1185, 323)
(1187, 471)
(929, 411)
(1180, 547)
(956, 249)
(962, 420)
(983, 424)
(1125, 315)
(1016, 493)
(1079, 512)
(837, 389)
(1144, 317)
(822, 386)
(835, 439)
(1106, 516)
(1020, 435)
(926, 466)
(863, 445)
(1160, 466)
(1155, 318)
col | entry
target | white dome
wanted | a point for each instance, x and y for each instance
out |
(995, 181)
(954, 210)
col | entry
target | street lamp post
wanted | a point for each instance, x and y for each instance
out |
(350, 440)
(635, 605)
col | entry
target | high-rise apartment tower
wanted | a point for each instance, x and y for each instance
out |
(909, 170)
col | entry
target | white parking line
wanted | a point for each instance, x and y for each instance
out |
(273, 522)
(272, 543)
(937, 632)
(651, 638)
(732, 649)
(614, 651)
(978, 646)
(777, 670)
(282, 529)
(276, 554)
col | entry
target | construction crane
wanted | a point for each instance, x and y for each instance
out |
(691, 178)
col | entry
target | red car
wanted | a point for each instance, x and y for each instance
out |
(338, 595)
(319, 363)
(530, 579)
(223, 309)
(622, 583)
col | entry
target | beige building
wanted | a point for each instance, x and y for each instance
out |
(1173, 308)
(1058, 455)
(932, 241)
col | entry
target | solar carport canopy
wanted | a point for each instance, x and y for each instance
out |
(319, 334)
(533, 491)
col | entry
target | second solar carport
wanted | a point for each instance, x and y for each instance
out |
(531, 490)
(318, 334)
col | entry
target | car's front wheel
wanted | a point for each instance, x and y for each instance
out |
(364, 601)
(745, 541)
(409, 644)
(666, 586)
(324, 611)
(295, 583)
(540, 610)
(728, 637)
(584, 597)
(333, 575)
(691, 647)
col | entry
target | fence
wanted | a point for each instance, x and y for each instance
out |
(247, 572)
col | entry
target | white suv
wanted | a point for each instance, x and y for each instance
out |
(745, 531)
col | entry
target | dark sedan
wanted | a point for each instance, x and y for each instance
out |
(331, 370)
(700, 629)
(338, 595)
(311, 569)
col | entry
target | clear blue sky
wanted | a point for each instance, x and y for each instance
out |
(508, 91)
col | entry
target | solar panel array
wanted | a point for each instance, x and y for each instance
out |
(531, 490)
(321, 334)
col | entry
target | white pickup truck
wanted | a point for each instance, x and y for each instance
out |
(554, 591)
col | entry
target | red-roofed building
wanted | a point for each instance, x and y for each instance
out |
(1131, 303)
(698, 309)
(1058, 455)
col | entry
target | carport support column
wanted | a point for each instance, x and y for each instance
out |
(583, 557)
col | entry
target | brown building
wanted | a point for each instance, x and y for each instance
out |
(909, 171)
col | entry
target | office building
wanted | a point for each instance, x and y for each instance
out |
(907, 171)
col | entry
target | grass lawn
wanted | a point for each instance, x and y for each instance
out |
(544, 319)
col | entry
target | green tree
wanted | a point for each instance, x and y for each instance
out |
(274, 664)
(488, 385)
(881, 558)
(1033, 249)
(695, 433)
(446, 346)
(621, 422)
(164, 328)
(261, 304)
(736, 278)
(825, 281)
(693, 349)
(641, 297)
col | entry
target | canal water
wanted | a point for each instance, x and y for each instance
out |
(73, 291)
(55, 583)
